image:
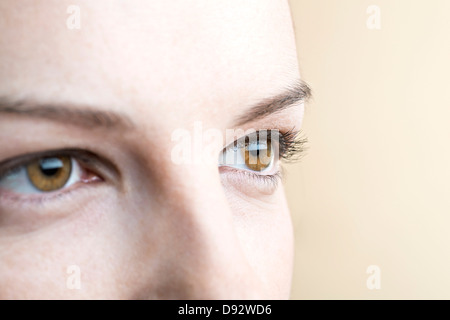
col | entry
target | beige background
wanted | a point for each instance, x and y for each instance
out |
(374, 188)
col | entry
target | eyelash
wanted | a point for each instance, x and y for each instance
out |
(292, 145)
(89, 159)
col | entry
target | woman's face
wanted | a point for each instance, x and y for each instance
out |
(106, 125)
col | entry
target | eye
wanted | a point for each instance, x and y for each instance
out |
(255, 152)
(45, 174)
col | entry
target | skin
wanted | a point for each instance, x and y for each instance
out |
(151, 228)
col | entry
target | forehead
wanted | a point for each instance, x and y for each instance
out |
(159, 56)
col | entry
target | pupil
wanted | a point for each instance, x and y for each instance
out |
(50, 166)
(254, 153)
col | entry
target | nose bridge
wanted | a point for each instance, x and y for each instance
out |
(207, 259)
(201, 209)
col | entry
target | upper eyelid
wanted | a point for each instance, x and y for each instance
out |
(271, 133)
(86, 157)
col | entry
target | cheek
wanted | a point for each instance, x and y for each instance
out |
(264, 228)
(35, 266)
(118, 249)
(50, 262)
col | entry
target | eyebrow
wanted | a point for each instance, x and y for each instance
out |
(67, 113)
(293, 95)
(88, 117)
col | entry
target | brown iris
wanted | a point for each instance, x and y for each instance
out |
(258, 155)
(49, 174)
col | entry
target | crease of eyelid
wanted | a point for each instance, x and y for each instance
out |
(89, 159)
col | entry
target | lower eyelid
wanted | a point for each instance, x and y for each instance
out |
(7, 196)
(252, 184)
(32, 213)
